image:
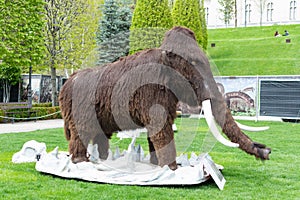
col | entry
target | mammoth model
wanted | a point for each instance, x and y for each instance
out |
(142, 90)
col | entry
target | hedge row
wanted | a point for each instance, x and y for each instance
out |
(43, 111)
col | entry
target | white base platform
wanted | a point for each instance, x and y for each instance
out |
(128, 168)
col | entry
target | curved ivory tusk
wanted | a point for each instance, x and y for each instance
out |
(249, 128)
(206, 106)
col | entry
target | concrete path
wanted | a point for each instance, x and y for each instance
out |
(30, 126)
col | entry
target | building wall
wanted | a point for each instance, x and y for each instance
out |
(248, 13)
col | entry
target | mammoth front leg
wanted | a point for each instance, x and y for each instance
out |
(164, 145)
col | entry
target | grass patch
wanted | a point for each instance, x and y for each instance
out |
(247, 178)
(255, 51)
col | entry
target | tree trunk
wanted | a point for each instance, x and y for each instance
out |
(261, 13)
(6, 92)
(235, 14)
(53, 83)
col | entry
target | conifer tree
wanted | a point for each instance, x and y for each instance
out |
(113, 33)
(186, 13)
(151, 19)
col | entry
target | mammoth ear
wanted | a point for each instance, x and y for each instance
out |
(250, 128)
(206, 106)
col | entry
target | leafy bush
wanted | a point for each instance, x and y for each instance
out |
(48, 112)
(49, 104)
(43, 111)
(151, 19)
(186, 13)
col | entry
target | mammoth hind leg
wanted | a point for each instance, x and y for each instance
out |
(103, 145)
(164, 146)
(77, 148)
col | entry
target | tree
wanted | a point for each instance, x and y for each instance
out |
(227, 9)
(61, 16)
(21, 39)
(186, 13)
(80, 43)
(9, 75)
(235, 14)
(151, 19)
(113, 33)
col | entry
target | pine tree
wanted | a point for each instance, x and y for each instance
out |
(151, 19)
(186, 13)
(113, 34)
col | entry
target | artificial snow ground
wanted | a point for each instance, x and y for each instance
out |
(130, 167)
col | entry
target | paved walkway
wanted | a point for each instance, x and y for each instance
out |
(30, 126)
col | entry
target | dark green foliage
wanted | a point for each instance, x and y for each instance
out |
(42, 105)
(151, 19)
(43, 111)
(48, 112)
(113, 34)
(186, 13)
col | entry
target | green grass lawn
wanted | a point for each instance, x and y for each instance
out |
(247, 178)
(255, 51)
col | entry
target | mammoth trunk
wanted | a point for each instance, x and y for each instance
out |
(234, 133)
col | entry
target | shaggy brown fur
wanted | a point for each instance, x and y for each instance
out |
(142, 90)
(80, 95)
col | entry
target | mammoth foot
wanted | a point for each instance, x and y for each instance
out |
(79, 159)
(154, 160)
(262, 152)
(173, 166)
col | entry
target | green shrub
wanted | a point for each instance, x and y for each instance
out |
(49, 104)
(1, 114)
(151, 19)
(43, 112)
(186, 13)
(46, 112)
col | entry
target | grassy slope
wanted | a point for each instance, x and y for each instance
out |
(255, 51)
(246, 177)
